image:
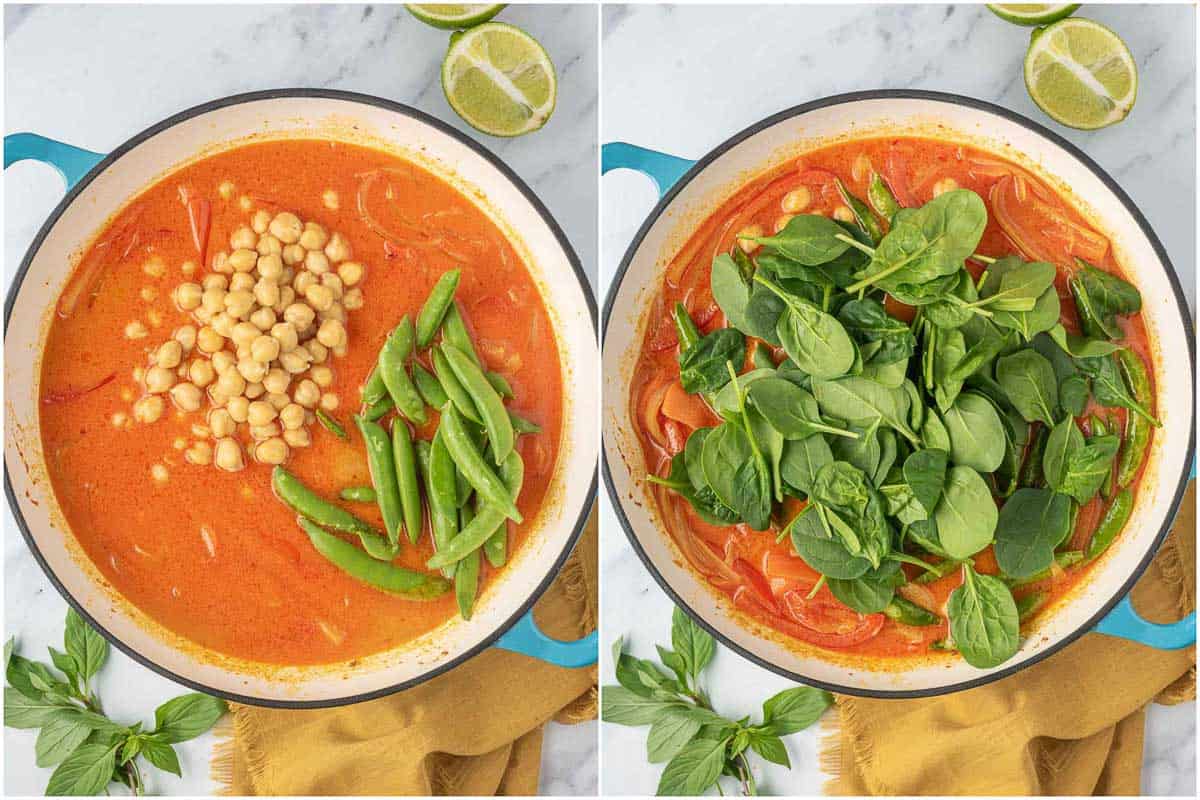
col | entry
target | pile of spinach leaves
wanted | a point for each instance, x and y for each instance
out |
(910, 441)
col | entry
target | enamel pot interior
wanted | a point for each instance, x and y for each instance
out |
(340, 117)
(804, 128)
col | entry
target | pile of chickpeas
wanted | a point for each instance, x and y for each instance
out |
(269, 317)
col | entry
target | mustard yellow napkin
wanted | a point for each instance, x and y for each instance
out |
(1070, 725)
(476, 730)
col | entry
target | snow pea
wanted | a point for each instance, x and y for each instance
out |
(450, 385)
(1030, 604)
(436, 305)
(395, 352)
(331, 424)
(862, 213)
(486, 520)
(374, 389)
(406, 583)
(909, 613)
(466, 575)
(407, 480)
(1115, 517)
(500, 384)
(1137, 427)
(428, 386)
(881, 198)
(377, 409)
(383, 474)
(453, 432)
(308, 504)
(685, 328)
(358, 494)
(441, 493)
(486, 400)
(454, 331)
(522, 425)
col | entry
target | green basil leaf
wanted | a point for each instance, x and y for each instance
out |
(85, 645)
(623, 707)
(795, 709)
(669, 734)
(693, 644)
(694, 769)
(23, 711)
(87, 771)
(161, 755)
(59, 737)
(187, 716)
(771, 748)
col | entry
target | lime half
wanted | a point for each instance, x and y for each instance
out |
(1032, 13)
(452, 16)
(499, 79)
(1081, 74)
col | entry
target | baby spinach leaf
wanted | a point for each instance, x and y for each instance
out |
(791, 410)
(1029, 383)
(702, 366)
(807, 238)
(731, 290)
(821, 550)
(801, 461)
(738, 474)
(871, 593)
(1045, 310)
(927, 243)
(1064, 441)
(983, 620)
(864, 402)
(760, 357)
(981, 350)
(727, 402)
(1088, 466)
(770, 443)
(1073, 393)
(976, 433)
(1031, 524)
(1109, 387)
(944, 348)
(866, 321)
(925, 473)
(815, 341)
(1014, 285)
(966, 515)
(864, 452)
(889, 451)
(1100, 297)
(1081, 346)
(934, 435)
(952, 310)
(924, 534)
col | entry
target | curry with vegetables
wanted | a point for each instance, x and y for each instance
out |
(894, 399)
(301, 401)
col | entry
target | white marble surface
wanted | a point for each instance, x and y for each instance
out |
(683, 79)
(94, 76)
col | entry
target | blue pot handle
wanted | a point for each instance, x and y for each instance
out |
(70, 162)
(1124, 622)
(661, 168)
(525, 638)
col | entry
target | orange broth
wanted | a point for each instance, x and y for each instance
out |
(261, 592)
(765, 579)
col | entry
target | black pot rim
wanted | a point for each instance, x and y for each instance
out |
(1034, 127)
(362, 99)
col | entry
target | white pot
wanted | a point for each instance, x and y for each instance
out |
(783, 136)
(341, 116)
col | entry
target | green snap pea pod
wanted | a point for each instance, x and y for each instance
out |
(450, 385)
(1030, 604)
(307, 503)
(407, 480)
(1137, 427)
(466, 575)
(496, 546)
(464, 490)
(487, 518)
(1083, 305)
(1031, 476)
(487, 401)
(374, 389)
(428, 386)
(440, 490)
(377, 409)
(406, 583)
(862, 213)
(1115, 517)
(881, 198)
(1072, 521)
(454, 331)
(383, 475)
(909, 613)
(358, 494)
(470, 461)
(1100, 428)
(1064, 559)
(436, 306)
(395, 352)
(331, 424)
(500, 384)
(522, 425)
(685, 328)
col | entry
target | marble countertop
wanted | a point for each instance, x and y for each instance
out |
(683, 79)
(93, 76)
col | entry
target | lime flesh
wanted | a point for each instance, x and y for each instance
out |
(1032, 13)
(1081, 74)
(453, 16)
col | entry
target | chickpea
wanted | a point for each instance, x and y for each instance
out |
(272, 451)
(353, 299)
(302, 281)
(148, 409)
(277, 380)
(263, 318)
(229, 455)
(243, 239)
(260, 221)
(154, 267)
(159, 380)
(187, 396)
(188, 268)
(119, 419)
(266, 292)
(261, 432)
(223, 362)
(319, 297)
(331, 333)
(264, 349)
(278, 400)
(200, 453)
(238, 408)
(245, 203)
(268, 245)
(750, 232)
(201, 373)
(220, 263)
(244, 333)
(286, 227)
(159, 473)
(253, 371)
(860, 170)
(255, 390)
(239, 303)
(285, 333)
(287, 296)
(221, 423)
(223, 324)
(318, 351)
(316, 262)
(330, 198)
(322, 376)
(136, 330)
(231, 383)
(338, 249)
(187, 296)
(139, 374)
(351, 272)
(292, 416)
(260, 413)
(297, 438)
(154, 317)
(293, 254)
(314, 237)
(169, 354)
(241, 282)
(203, 315)
(293, 361)
(213, 299)
(300, 315)
(334, 284)
(796, 200)
(944, 185)
(307, 393)
(843, 214)
(329, 401)
(243, 260)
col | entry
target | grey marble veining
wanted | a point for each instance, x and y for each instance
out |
(94, 75)
(683, 79)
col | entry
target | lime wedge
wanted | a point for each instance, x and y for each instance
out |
(1081, 74)
(452, 16)
(499, 79)
(1032, 13)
